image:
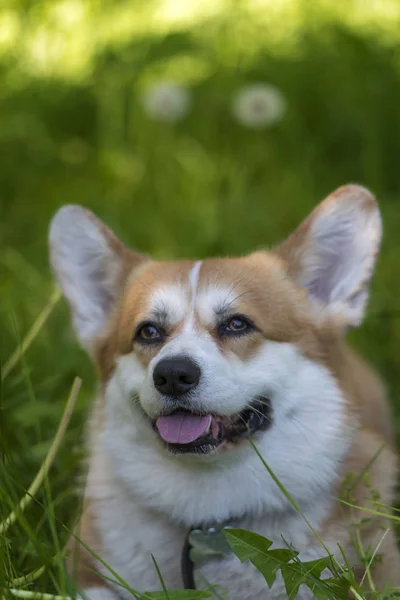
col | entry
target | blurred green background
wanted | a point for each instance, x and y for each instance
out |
(81, 121)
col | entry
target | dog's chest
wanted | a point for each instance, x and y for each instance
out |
(131, 534)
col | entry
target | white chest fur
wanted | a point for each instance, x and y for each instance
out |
(131, 533)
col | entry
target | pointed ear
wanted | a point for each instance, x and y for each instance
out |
(332, 254)
(91, 265)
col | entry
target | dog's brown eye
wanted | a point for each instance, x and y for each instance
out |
(148, 333)
(237, 324)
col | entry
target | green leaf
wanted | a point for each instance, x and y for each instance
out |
(315, 567)
(320, 593)
(309, 575)
(269, 564)
(267, 568)
(254, 547)
(339, 587)
(283, 555)
(246, 544)
(293, 580)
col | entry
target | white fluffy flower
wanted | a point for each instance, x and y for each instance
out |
(258, 105)
(166, 101)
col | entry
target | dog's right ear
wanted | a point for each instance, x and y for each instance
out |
(332, 254)
(91, 265)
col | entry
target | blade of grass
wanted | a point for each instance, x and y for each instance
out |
(29, 578)
(288, 496)
(27, 595)
(31, 335)
(363, 556)
(160, 577)
(37, 482)
(118, 579)
(391, 508)
(368, 567)
(365, 469)
(50, 516)
(371, 511)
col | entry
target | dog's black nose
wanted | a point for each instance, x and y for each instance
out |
(176, 376)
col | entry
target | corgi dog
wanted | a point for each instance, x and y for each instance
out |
(196, 359)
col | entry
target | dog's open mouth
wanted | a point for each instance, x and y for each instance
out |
(189, 432)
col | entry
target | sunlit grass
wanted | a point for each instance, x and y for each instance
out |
(30, 336)
(44, 469)
(62, 38)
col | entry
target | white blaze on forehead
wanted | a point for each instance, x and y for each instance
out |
(194, 278)
(193, 283)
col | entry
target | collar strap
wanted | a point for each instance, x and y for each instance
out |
(202, 543)
(187, 565)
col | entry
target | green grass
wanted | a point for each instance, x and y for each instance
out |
(205, 186)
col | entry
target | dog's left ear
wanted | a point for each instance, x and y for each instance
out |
(332, 254)
(91, 265)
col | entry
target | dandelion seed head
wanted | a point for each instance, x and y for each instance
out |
(259, 105)
(166, 101)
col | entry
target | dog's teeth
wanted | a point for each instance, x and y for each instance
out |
(215, 428)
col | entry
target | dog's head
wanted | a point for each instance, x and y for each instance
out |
(206, 353)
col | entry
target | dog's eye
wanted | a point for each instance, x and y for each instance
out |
(237, 325)
(148, 333)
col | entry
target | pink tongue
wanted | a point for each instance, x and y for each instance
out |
(182, 428)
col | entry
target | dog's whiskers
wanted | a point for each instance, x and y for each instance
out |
(258, 412)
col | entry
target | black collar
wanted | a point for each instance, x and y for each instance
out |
(187, 564)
